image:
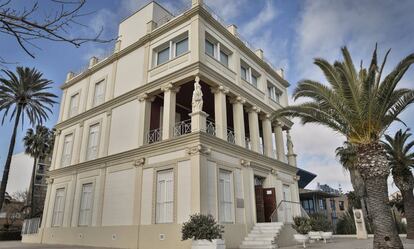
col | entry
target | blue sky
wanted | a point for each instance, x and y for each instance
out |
(291, 33)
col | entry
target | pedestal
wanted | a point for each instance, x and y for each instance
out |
(198, 121)
(360, 224)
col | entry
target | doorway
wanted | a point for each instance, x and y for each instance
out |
(265, 200)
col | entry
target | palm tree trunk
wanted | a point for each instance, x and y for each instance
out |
(32, 189)
(408, 199)
(372, 163)
(6, 169)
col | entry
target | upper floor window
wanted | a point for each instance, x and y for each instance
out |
(67, 150)
(171, 49)
(224, 58)
(274, 93)
(74, 105)
(99, 94)
(209, 47)
(226, 206)
(93, 142)
(85, 209)
(217, 50)
(165, 196)
(249, 74)
(341, 205)
(58, 208)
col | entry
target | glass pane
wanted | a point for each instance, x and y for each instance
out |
(254, 80)
(243, 72)
(224, 58)
(163, 56)
(181, 47)
(209, 48)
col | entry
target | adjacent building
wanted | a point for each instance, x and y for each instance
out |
(177, 120)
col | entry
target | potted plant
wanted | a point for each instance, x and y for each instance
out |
(320, 223)
(204, 232)
(302, 226)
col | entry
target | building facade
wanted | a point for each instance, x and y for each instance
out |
(176, 121)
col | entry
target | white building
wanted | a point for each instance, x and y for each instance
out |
(135, 156)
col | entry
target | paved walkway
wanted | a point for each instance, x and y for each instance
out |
(340, 243)
(19, 245)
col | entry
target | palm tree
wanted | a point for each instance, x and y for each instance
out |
(347, 157)
(401, 161)
(24, 94)
(360, 105)
(38, 144)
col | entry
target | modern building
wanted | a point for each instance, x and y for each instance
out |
(176, 121)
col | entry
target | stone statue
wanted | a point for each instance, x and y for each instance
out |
(197, 101)
(289, 142)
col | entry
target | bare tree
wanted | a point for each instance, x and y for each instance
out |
(30, 24)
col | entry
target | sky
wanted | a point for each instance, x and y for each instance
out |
(291, 33)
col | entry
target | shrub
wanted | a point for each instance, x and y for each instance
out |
(346, 224)
(319, 222)
(301, 225)
(201, 227)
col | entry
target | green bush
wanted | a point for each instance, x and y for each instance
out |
(201, 227)
(346, 224)
(301, 225)
(319, 222)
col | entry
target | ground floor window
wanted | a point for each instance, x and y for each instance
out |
(226, 205)
(85, 210)
(58, 208)
(165, 196)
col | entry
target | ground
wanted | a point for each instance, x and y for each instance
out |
(336, 243)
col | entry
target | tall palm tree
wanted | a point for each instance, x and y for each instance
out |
(360, 105)
(401, 161)
(25, 94)
(38, 144)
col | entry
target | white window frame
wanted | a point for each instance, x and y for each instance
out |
(274, 92)
(178, 41)
(218, 48)
(226, 203)
(250, 73)
(164, 203)
(100, 97)
(66, 159)
(59, 208)
(86, 209)
(90, 148)
(72, 110)
(171, 46)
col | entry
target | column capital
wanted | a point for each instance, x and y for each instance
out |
(49, 180)
(198, 149)
(265, 116)
(146, 97)
(220, 88)
(277, 123)
(169, 87)
(254, 109)
(245, 163)
(139, 162)
(237, 99)
(296, 177)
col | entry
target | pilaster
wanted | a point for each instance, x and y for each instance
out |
(280, 150)
(238, 120)
(144, 117)
(254, 128)
(168, 122)
(267, 135)
(220, 111)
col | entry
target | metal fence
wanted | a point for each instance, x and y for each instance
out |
(182, 127)
(31, 226)
(154, 136)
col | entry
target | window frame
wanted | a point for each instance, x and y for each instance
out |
(72, 134)
(94, 100)
(62, 212)
(218, 49)
(250, 74)
(70, 110)
(229, 203)
(87, 157)
(164, 201)
(177, 42)
(171, 46)
(88, 217)
(274, 93)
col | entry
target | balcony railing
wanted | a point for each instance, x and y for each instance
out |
(31, 226)
(248, 143)
(154, 136)
(230, 136)
(182, 127)
(211, 128)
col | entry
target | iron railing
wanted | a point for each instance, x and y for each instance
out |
(230, 136)
(248, 143)
(211, 128)
(182, 127)
(31, 226)
(154, 136)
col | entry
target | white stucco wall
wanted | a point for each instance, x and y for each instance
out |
(184, 191)
(129, 73)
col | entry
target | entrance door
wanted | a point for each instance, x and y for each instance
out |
(260, 211)
(287, 197)
(269, 200)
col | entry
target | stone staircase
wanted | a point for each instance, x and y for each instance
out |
(262, 236)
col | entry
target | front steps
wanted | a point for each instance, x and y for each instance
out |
(262, 236)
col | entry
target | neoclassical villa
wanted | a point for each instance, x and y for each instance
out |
(177, 120)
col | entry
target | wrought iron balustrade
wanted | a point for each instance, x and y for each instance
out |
(248, 143)
(230, 136)
(182, 127)
(211, 128)
(154, 136)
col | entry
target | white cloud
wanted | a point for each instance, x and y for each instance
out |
(228, 9)
(263, 18)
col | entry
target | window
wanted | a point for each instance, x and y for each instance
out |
(85, 210)
(332, 203)
(181, 47)
(254, 80)
(341, 205)
(209, 48)
(67, 150)
(273, 93)
(163, 56)
(224, 58)
(225, 196)
(243, 72)
(58, 208)
(99, 94)
(165, 196)
(93, 141)
(322, 204)
(249, 74)
(74, 105)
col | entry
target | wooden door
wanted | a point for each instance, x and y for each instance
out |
(260, 211)
(269, 201)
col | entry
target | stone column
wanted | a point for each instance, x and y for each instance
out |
(291, 154)
(254, 128)
(220, 111)
(267, 135)
(238, 121)
(144, 117)
(280, 149)
(168, 119)
(107, 131)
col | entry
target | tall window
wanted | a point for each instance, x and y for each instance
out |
(181, 47)
(165, 196)
(85, 210)
(67, 150)
(93, 140)
(273, 92)
(243, 73)
(58, 208)
(225, 196)
(99, 94)
(74, 105)
(209, 47)
(224, 58)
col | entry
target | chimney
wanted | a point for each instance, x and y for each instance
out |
(233, 29)
(151, 25)
(92, 61)
(259, 52)
(281, 72)
(69, 76)
(196, 2)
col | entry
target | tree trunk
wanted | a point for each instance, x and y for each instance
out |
(6, 169)
(408, 199)
(373, 165)
(32, 205)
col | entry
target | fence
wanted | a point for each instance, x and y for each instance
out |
(31, 226)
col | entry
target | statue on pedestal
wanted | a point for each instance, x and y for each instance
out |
(197, 100)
